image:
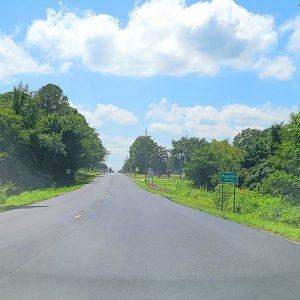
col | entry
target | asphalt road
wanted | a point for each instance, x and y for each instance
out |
(135, 245)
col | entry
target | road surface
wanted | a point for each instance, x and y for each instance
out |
(135, 245)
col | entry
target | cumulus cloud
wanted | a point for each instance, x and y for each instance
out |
(294, 26)
(118, 148)
(109, 113)
(14, 60)
(65, 67)
(106, 113)
(163, 37)
(281, 68)
(117, 145)
(210, 122)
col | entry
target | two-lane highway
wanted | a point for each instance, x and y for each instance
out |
(113, 240)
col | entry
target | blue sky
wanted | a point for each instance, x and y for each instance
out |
(197, 68)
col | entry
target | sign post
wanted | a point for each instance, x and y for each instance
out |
(137, 170)
(68, 172)
(150, 174)
(222, 203)
(234, 198)
(229, 177)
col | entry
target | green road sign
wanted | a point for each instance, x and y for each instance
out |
(137, 169)
(229, 177)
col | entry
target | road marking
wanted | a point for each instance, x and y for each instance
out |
(98, 204)
(77, 217)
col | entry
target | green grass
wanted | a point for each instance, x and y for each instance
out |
(255, 210)
(30, 197)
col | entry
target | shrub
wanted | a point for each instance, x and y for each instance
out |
(282, 184)
(6, 190)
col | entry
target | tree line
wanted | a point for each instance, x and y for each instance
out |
(41, 136)
(267, 161)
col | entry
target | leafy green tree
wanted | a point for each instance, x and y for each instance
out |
(159, 160)
(245, 139)
(93, 151)
(25, 104)
(229, 157)
(254, 144)
(183, 150)
(202, 168)
(274, 136)
(16, 164)
(126, 166)
(282, 184)
(141, 151)
(41, 136)
(291, 146)
(52, 99)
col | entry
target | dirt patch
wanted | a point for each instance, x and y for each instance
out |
(158, 188)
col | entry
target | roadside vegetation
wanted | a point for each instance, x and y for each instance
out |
(267, 162)
(43, 143)
(253, 209)
(34, 196)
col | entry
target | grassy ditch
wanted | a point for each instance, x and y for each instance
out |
(30, 197)
(272, 214)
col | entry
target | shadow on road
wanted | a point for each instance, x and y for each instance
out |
(33, 206)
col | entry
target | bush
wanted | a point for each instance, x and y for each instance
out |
(202, 169)
(6, 190)
(228, 196)
(291, 216)
(282, 184)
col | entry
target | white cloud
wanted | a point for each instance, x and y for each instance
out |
(165, 127)
(162, 37)
(282, 68)
(294, 41)
(106, 113)
(66, 66)
(210, 122)
(118, 147)
(14, 60)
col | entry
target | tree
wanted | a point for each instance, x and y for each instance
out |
(141, 151)
(159, 160)
(247, 137)
(52, 99)
(291, 146)
(93, 151)
(255, 145)
(202, 168)
(24, 104)
(274, 136)
(41, 136)
(228, 157)
(282, 184)
(183, 150)
(17, 163)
